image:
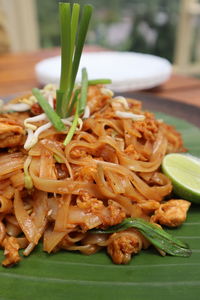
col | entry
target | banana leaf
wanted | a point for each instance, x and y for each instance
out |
(67, 275)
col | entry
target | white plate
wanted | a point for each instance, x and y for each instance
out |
(128, 70)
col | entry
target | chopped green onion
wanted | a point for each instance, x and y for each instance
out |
(73, 102)
(84, 88)
(80, 105)
(157, 236)
(99, 81)
(73, 127)
(51, 114)
(58, 159)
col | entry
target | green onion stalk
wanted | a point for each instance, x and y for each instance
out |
(156, 235)
(73, 35)
(74, 23)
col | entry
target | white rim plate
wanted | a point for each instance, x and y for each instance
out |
(128, 70)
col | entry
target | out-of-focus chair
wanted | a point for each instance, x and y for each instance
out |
(19, 25)
(189, 12)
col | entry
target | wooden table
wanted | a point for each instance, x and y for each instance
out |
(17, 75)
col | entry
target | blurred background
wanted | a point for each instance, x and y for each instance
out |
(170, 29)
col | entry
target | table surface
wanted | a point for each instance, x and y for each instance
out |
(17, 75)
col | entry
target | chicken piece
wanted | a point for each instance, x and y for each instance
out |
(148, 128)
(96, 98)
(89, 204)
(2, 232)
(149, 206)
(133, 154)
(84, 173)
(172, 213)
(109, 215)
(11, 133)
(122, 245)
(175, 141)
(113, 214)
(11, 247)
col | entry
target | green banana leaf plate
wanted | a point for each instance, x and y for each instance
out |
(67, 275)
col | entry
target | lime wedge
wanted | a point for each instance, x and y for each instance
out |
(184, 172)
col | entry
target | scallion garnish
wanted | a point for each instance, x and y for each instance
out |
(74, 100)
(80, 105)
(157, 236)
(99, 81)
(58, 159)
(73, 35)
(83, 28)
(84, 87)
(73, 127)
(51, 114)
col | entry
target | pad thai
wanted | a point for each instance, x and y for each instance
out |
(109, 171)
(80, 168)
